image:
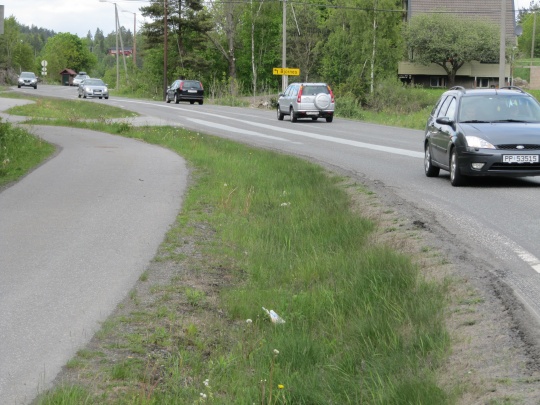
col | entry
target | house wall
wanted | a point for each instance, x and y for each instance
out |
(534, 83)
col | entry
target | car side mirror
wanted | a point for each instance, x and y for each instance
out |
(281, 94)
(444, 121)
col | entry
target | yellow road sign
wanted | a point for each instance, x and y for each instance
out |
(286, 71)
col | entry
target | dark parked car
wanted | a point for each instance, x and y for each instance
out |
(306, 100)
(27, 79)
(483, 132)
(185, 90)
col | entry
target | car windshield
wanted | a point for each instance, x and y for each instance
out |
(94, 82)
(499, 108)
(28, 75)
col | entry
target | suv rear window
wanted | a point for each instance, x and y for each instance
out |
(313, 90)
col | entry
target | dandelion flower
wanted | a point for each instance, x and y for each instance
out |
(249, 321)
(203, 395)
(276, 351)
(206, 382)
(281, 386)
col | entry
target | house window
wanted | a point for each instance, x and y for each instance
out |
(482, 82)
(437, 81)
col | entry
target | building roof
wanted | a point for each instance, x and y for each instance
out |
(482, 9)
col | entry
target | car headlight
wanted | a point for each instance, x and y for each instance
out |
(474, 142)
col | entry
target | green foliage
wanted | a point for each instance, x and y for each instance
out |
(450, 41)
(19, 152)
(66, 50)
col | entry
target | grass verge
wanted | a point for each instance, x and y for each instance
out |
(361, 323)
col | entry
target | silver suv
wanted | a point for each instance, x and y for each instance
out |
(27, 79)
(306, 100)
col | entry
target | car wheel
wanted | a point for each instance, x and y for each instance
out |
(330, 119)
(431, 171)
(456, 178)
(35, 87)
(100, 98)
(79, 95)
(84, 95)
(167, 99)
(280, 115)
(19, 86)
(176, 101)
(192, 102)
(201, 102)
(106, 98)
(294, 118)
(314, 118)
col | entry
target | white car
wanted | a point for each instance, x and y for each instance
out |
(79, 78)
(306, 100)
(93, 88)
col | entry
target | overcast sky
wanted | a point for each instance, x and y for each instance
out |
(80, 16)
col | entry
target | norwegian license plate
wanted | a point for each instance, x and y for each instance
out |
(520, 158)
(192, 91)
(312, 113)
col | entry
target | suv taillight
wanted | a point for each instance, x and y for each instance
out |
(202, 88)
(331, 94)
(299, 99)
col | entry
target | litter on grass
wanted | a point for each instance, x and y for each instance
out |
(275, 318)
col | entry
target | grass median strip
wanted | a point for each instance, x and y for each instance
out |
(268, 230)
(260, 229)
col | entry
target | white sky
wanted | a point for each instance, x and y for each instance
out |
(80, 16)
(74, 16)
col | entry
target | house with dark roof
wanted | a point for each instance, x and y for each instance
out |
(475, 73)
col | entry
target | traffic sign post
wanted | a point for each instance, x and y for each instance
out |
(286, 71)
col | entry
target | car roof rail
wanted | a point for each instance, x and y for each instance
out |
(460, 88)
(513, 88)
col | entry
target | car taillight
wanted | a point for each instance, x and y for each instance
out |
(299, 99)
(202, 88)
(331, 94)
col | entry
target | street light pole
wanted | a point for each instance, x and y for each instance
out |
(134, 36)
(116, 32)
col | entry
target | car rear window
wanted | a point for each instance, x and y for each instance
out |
(191, 84)
(313, 90)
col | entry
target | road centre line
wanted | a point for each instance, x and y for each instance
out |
(388, 149)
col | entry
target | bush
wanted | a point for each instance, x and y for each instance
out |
(392, 96)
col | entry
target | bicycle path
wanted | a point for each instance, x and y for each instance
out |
(75, 235)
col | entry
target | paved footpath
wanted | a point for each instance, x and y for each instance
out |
(75, 235)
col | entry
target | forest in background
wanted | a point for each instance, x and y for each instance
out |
(232, 46)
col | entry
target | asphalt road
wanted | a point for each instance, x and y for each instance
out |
(75, 235)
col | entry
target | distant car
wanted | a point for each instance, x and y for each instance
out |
(306, 100)
(79, 78)
(93, 88)
(185, 90)
(483, 132)
(27, 79)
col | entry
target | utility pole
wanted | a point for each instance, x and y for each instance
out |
(285, 81)
(165, 23)
(117, 65)
(502, 46)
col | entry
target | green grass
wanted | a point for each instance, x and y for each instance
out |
(19, 152)
(362, 325)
